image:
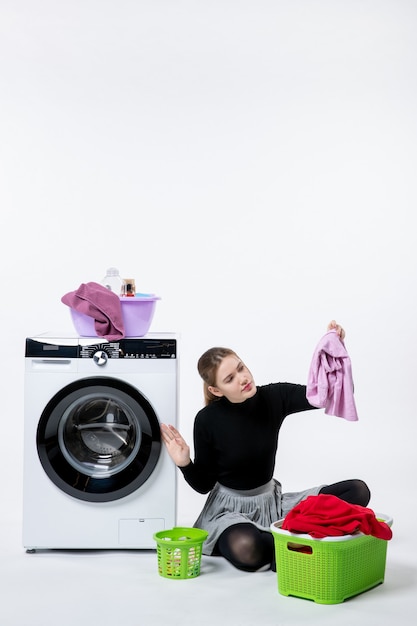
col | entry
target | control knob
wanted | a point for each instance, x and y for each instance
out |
(100, 357)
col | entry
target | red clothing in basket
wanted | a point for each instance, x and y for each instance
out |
(326, 515)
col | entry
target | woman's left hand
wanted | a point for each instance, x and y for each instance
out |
(339, 330)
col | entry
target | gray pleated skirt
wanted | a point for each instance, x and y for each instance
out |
(261, 506)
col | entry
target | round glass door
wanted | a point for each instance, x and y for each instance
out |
(98, 439)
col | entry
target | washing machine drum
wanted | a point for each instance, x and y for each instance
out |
(99, 439)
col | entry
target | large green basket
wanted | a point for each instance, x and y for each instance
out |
(179, 552)
(328, 570)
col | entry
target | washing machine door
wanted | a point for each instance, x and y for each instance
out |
(98, 439)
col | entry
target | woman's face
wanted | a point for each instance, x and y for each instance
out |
(233, 380)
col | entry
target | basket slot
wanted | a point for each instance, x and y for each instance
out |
(299, 547)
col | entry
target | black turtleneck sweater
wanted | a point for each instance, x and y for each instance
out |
(235, 443)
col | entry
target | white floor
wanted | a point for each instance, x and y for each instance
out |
(123, 588)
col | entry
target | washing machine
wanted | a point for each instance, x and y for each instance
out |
(96, 474)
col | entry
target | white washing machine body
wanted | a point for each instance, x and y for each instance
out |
(96, 474)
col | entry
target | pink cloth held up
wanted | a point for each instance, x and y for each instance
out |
(330, 382)
(100, 303)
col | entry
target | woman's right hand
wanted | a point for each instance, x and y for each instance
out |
(177, 447)
(333, 325)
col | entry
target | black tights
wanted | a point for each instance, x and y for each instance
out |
(249, 549)
(246, 547)
(352, 491)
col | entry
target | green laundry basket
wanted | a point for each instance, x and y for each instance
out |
(331, 569)
(179, 552)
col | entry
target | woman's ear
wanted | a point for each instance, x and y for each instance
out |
(215, 391)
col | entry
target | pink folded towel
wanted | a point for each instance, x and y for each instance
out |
(330, 382)
(103, 305)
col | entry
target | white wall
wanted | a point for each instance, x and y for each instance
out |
(250, 161)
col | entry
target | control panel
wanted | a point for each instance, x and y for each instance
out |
(129, 348)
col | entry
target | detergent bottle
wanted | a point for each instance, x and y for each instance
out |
(113, 281)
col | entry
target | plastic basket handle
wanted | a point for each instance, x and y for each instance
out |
(299, 547)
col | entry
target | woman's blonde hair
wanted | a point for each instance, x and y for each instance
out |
(207, 366)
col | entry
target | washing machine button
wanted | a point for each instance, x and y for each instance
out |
(100, 357)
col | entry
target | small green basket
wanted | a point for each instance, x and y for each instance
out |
(179, 552)
(328, 570)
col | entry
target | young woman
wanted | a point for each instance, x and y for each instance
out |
(235, 444)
